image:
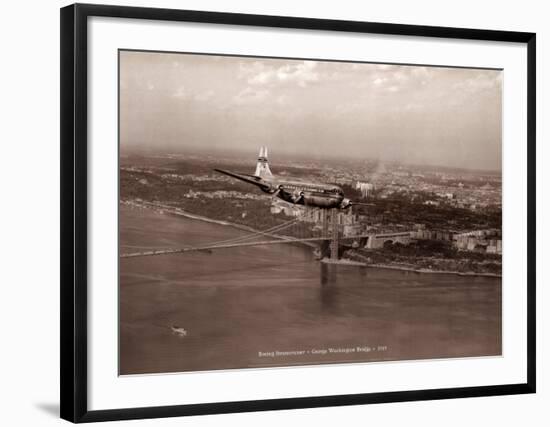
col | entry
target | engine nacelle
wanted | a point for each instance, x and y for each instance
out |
(346, 203)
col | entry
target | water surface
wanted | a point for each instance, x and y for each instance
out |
(239, 306)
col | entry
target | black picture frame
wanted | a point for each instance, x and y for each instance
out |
(74, 206)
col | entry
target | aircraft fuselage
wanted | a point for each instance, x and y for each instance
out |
(306, 193)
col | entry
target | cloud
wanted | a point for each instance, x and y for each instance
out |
(282, 99)
(422, 72)
(180, 93)
(300, 73)
(481, 82)
(204, 96)
(413, 106)
(392, 78)
(250, 96)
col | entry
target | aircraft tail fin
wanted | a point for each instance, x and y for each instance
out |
(262, 167)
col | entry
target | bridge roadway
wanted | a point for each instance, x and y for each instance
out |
(282, 239)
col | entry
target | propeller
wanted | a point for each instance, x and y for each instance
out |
(346, 203)
(298, 197)
(277, 191)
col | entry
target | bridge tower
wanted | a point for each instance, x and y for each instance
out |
(324, 216)
(334, 238)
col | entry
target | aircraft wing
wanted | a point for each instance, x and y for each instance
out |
(349, 203)
(246, 178)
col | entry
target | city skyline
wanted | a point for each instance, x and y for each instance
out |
(416, 115)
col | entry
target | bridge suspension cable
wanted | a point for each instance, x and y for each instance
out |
(258, 233)
(255, 233)
(241, 240)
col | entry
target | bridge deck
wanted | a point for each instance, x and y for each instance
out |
(282, 239)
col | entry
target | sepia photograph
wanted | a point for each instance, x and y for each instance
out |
(279, 212)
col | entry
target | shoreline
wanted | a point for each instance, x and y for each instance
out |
(350, 262)
(343, 261)
(180, 212)
(427, 271)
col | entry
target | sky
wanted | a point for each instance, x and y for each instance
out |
(410, 114)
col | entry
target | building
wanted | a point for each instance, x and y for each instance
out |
(488, 241)
(377, 241)
(365, 188)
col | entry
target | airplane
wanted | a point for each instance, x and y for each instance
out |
(324, 196)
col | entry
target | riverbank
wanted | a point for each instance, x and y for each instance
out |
(180, 212)
(427, 271)
(345, 261)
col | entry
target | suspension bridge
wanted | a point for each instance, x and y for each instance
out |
(297, 230)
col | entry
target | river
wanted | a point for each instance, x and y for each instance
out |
(276, 305)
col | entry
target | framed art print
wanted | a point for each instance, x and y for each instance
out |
(262, 212)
